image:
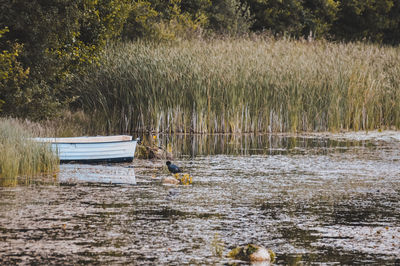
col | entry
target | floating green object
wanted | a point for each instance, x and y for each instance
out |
(184, 179)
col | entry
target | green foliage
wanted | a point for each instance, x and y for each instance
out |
(59, 39)
(277, 16)
(162, 20)
(141, 22)
(295, 18)
(12, 75)
(229, 17)
(181, 24)
(319, 17)
(375, 20)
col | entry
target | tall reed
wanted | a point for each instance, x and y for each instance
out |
(243, 85)
(22, 159)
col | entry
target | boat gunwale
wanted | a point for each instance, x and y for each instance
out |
(87, 140)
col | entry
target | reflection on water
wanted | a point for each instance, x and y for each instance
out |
(113, 174)
(250, 144)
(310, 199)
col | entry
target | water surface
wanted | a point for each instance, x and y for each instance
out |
(311, 199)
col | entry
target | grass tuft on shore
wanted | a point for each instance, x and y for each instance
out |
(22, 159)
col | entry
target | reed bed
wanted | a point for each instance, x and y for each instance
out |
(22, 159)
(243, 85)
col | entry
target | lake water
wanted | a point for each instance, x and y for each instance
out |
(331, 199)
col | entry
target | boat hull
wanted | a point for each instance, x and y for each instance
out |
(92, 150)
(94, 161)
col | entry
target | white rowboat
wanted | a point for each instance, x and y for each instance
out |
(119, 148)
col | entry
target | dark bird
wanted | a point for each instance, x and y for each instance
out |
(173, 168)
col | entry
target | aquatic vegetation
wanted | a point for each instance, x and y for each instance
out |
(21, 157)
(150, 147)
(243, 85)
(185, 179)
(177, 179)
(150, 152)
(218, 245)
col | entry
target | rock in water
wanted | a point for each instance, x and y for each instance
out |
(261, 254)
(170, 180)
(252, 253)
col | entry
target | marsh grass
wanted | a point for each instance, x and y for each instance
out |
(68, 124)
(21, 159)
(243, 85)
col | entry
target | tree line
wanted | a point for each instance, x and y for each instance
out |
(46, 44)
